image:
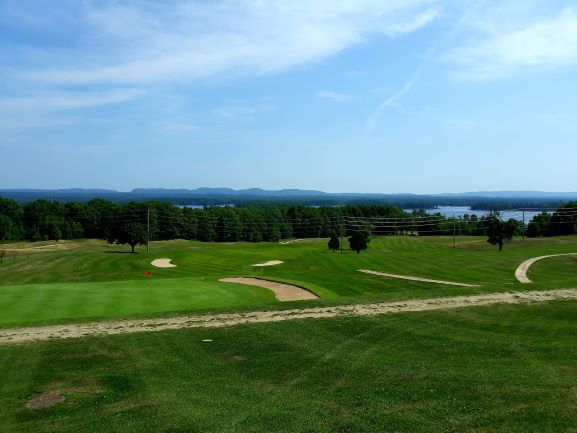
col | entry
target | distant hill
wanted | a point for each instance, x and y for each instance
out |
(512, 194)
(229, 191)
(223, 196)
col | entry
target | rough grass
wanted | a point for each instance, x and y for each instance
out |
(90, 279)
(498, 369)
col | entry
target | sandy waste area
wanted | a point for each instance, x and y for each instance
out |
(43, 333)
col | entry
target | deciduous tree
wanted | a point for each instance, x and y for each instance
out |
(499, 230)
(359, 240)
(334, 243)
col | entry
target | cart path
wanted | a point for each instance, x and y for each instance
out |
(521, 272)
(23, 335)
(411, 278)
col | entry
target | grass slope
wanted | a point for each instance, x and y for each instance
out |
(500, 369)
(90, 279)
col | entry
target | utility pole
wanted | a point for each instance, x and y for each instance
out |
(342, 229)
(147, 229)
(454, 228)
(523, 224)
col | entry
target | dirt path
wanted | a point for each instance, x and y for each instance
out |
(521, 272)
(23, 335)
(410, 278)
(283, 292)
(162, 263)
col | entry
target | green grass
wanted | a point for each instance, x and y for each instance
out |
(509, 369)
(555, 268)
(90, 279)
(124, 298)
(500, 369)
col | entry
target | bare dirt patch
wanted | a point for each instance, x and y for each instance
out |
(283, 292)
(411, 278)
(521, 271)
(269, 263)
(42, 401)
(43, 333)
(162, 263)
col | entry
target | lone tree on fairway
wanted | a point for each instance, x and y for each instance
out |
(133, 234)
(359, 240)
(499, 230)
(334, 243)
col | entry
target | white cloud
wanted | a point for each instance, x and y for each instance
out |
(66, 101)
(389, 102)
(146, 42)
(242, 111)
(549, 42)
(57, 109)
(334, 96)
(177, 127)
(416, 23)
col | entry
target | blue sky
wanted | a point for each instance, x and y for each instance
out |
(418, 96)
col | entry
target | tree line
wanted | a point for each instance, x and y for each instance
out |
(135, 223)
(52, 220)
(559, 223)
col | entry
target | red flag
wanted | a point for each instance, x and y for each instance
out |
(148, 274)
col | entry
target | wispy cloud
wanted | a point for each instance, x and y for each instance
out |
(389, 102)
(420, 20)
(66, 100)
(236, 110)
(406, 88)
(334, 96)
(547, 42)
(189, 40)
(176, 127)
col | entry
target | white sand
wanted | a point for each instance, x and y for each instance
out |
(521, 272)
(162, 263)
(291, 241)
(411, 278)
(43, 333)
(269, 263)
(283, 292)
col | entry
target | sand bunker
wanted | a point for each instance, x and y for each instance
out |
(291, 241)
(411, 278)
(521, 272)
(269, 263)
(44, 333)
(283, 292)
(162, 263)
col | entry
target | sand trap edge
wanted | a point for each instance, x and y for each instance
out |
(283, 292)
